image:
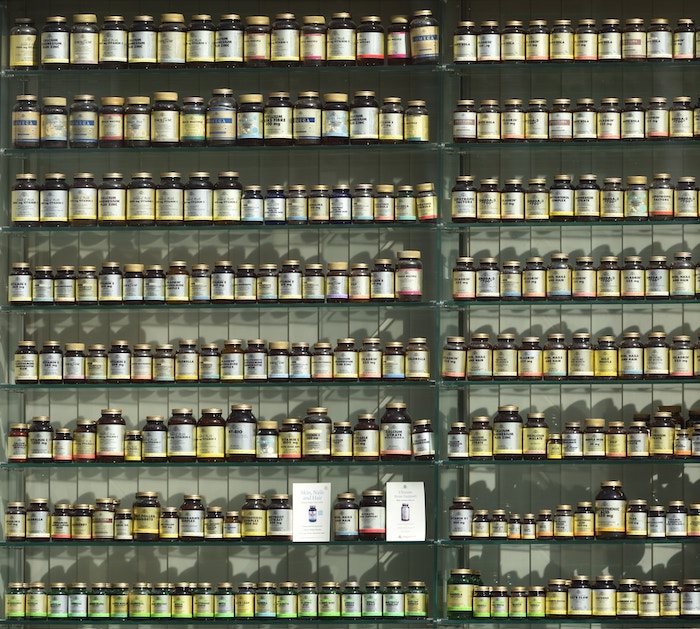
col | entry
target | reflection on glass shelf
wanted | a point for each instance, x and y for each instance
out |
(423, 305)
(214, 385)
(611, 621)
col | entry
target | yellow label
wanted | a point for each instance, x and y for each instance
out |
(415, 128)
(22, 51)
(210, 441)
(605, 363)
(244, 605)
(253, 523)
(146, 520)
(139, 605)
(615, 446)
(459, 597)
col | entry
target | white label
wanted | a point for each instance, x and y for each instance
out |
(181, 440)
(110, 439)
(142, 47)
(364, 123)
(198, 204)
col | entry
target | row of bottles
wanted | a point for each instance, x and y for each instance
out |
(557, 360)
(538, 122)
(587, 201)
(560, 43)
(200, 201)
(194, 521)
(577, 597)
(255, 41)
(264, 600)
(222, 122)
(239, 438)
(678, 521)
(561, 281)
(280, 361)
(508, 438)
(138, 283)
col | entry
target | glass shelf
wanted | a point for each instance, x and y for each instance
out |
(203, 544)
(646, 461)
(365, 227)
(570, 225)
(296, 464)
(480, 67)
(257, 622)
(628, 146)
(467, 304)
(355, 384)
(415, 147)
(424, 305)
(312, 71)
(569, 620)
(593, 382)
(450, 543)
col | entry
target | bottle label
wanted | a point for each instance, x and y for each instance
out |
(395, 439)
(461, 522)
(200, 46)
(417, 364)
(487, 284)
(312, 46)
(278, 123)
(464, 284)
(661, 440)
(191, 523)
(316, 439)
(140, 203)
(453, 363)
(165, 126)
(366, 443)
(370, 45)
(415, 128)
(464, 125)
(210, 441)
(307, 123)
(83, 126)
(181, 440)
(20, 288)
(113, 45)
(84, 47)
(586, 202)
(279, 522)
(423, 444)
(220, 124)
(391, 127)
(489, 47)
(300, 367)
(171, 46)
(536, 125)
(142, 47)
(335, 123)
(631, 361)
(535, 440)
(110, 439)
(488, 126)
(154, 444)
(253, 523)
(530, 362)
(424, 42)
(54, 127)
(610, 516)
(231, 367)
(251, 212)
(682, 283)
(507, 438)
(82, 203)
(284, 45)
(656, 361)
(512, 125)
(192, 129)
(228, 45)
(372, 520)
(340, 209)
(364, 123)
(240, 438)
(459, 597)
(54, 48)
(478, 363)
(681, 362)
(340, 44)
(512, 46)
(137, 127)
(25, 205)
(26, 127)
(458, 446)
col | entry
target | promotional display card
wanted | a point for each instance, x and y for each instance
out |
(405, 512)
(312, 512)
